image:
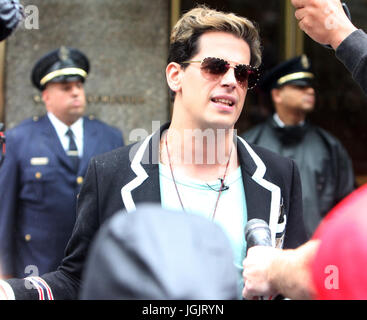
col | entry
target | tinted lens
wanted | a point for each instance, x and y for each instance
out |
(246, 75)
(214, 66)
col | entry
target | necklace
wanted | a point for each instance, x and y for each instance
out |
(174, 180)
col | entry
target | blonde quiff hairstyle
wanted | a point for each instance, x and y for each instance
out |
(187, 31)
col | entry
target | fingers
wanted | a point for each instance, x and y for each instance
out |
(300, 13)
(251, 272)
(251, 291)
(257, 272)
(298, 3)
(247, 294)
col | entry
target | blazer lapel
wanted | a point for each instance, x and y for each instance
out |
(257, 197)
(149, 191)
(145, 186)
(90, 144)
(262, 196)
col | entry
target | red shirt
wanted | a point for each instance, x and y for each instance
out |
(339, 269)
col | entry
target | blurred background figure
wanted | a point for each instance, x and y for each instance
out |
(326, 170)
(46, 160)
(11, 13)
(160, 254)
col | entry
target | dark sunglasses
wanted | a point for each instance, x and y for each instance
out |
(245, 75)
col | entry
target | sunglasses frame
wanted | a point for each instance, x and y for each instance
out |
(247, 67)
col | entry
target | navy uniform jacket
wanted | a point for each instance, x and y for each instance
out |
(129, 176)
(38, 191)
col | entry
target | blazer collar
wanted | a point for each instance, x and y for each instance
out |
(144, 164)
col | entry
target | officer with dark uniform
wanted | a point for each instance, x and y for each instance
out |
(46, 160)
(325, 167)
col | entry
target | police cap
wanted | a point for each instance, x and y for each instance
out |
(296, 71)
(60, 65)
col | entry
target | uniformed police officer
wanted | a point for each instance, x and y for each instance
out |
(46, 160)
(324, 164)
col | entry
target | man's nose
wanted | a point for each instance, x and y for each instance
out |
(75, 89)
(310, 90)
(229, 78)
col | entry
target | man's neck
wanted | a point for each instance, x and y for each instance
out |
(291, 118)
(66, 122)
(200, 153)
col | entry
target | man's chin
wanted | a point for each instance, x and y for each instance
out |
(74, 116)
(77, 110)
(221, 124)
(308, 110)
(308, 106)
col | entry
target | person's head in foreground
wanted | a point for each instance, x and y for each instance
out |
(160, 254)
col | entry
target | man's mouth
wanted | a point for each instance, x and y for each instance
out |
(223, 101)
(76, 103)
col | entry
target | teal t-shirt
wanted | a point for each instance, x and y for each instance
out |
(200, 197)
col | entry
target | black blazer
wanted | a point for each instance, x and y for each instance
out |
(128, 176)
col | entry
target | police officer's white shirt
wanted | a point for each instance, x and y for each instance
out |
(61, 129)
(281, 124)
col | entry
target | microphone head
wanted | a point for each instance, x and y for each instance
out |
(257, 233)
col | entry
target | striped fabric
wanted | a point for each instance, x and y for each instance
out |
(44, 291)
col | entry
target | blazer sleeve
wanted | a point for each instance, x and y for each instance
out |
(352, 52)
(295, 232)
(64, 283)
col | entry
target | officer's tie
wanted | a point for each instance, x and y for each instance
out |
(73, 150)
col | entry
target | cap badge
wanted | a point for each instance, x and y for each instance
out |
(305, 62)
(64, 53)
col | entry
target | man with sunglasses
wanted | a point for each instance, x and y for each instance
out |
(195, 163)
(325, 167)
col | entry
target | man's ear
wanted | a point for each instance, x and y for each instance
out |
(173, 75)
(275, 95)
(44, 95)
